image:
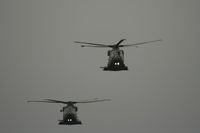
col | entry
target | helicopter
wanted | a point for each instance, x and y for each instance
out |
(70, 110)
(116, 55)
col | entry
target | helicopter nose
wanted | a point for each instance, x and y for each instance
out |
(117, 63)
(69, 119)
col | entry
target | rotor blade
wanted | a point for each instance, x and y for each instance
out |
(136, 44)
(94, 101)
(56, 101)
(49, 101)
(117, 45)
(96, 44)
(42, 101)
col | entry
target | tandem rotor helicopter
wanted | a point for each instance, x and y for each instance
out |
(116, 55)
(70, 110)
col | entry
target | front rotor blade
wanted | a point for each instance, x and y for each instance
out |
(96, 44)
(136, 44)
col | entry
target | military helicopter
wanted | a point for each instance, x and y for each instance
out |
(116, 55)
(70, 110)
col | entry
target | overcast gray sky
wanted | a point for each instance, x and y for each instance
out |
(159, 93)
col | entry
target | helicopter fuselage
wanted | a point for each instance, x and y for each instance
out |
(70, 110)
(70, 116)
(115, 60)
(116, 56)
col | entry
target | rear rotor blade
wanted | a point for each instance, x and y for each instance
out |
(136, 44)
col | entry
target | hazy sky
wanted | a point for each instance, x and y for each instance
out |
(38, 60)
